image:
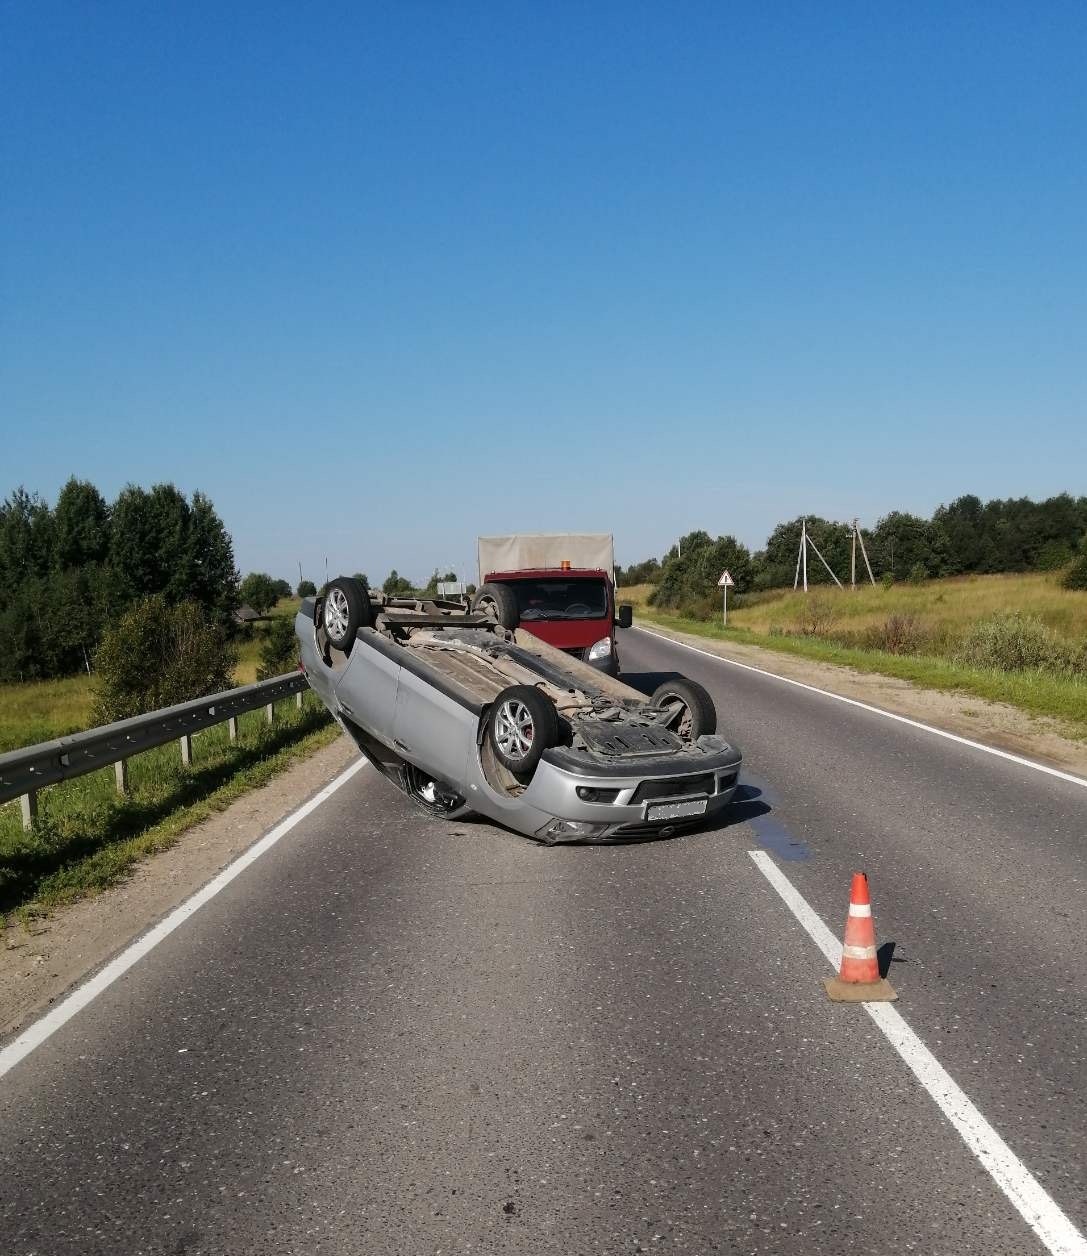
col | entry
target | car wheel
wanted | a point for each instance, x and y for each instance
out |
(435, 798)
(522, 725)
(499, 603)
(690, 707)
(345, 610)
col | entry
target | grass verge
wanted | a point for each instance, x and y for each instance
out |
(1036, 692)
(88, 837)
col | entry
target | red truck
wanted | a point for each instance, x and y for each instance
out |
(560, 586)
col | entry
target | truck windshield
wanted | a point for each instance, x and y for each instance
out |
(561, 599)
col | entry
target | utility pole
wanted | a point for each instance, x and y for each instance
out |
(864, 553)
(853, 556)
(802, 558)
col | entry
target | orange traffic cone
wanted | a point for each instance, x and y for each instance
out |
(858, 979)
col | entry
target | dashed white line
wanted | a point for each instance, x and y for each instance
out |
(33, 1037)
(1037, 1208)
(864, 706)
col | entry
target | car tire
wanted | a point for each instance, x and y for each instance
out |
(499, 603)
(522, 725)
(346, 609)
(695, 715)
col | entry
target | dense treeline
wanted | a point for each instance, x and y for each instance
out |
(67, 571)
(968, 536)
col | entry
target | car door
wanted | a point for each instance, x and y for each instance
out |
(366, 689)
(433, 730)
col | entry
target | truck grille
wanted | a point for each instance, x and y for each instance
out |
(575, 651)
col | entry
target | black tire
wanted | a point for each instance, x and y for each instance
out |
(695, 715)
(522, 725)
(499, 602)
(430, 795)
(346, 609)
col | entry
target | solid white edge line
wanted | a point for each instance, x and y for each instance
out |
(37, 1033)
(864, 706)
(1033, 1203)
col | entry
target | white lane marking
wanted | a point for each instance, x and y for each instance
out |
(864, 706)
(1037, 1208)
(78, 999)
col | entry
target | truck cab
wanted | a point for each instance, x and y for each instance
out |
(570, 607)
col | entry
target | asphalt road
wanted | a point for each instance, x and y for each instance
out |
(392, 1035)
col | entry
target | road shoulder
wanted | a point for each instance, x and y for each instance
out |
(40, 962)
(993, 723)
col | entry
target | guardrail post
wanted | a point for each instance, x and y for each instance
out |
(120, 769)
(186, 750)
(298, 699)
(232, 727)
(29, 804)
(269, 713)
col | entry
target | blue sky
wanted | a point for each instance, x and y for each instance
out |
(381, 277)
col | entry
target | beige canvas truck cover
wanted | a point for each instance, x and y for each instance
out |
(528, 550)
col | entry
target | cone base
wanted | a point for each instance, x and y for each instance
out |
(860, 991)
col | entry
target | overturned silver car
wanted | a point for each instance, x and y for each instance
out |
(466, 716)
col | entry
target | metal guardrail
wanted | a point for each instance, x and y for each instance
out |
(23, 772)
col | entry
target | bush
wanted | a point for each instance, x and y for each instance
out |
(278, 649)
(1076, 575)
(156, 655)
(918, 574)
(816, 617)
(306, 588)
(898, 634)
(1011, 642)
(887, 579)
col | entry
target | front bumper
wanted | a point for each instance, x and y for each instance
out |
(630, 801)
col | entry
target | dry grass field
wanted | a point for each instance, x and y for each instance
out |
(944, 609)
(951, 634)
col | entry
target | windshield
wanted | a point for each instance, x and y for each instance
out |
(561, 599)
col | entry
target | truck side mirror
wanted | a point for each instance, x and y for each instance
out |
(626, 616)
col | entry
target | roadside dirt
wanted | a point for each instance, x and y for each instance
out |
(37, 965)
(994, 723)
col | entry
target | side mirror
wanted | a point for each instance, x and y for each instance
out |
(626, 616)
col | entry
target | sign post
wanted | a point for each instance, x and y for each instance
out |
(724, 584)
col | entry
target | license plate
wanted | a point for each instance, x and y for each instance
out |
(676, 810)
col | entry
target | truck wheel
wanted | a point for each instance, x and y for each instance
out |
(499, 603)
(345, 610)
(691, 708)
(523, 724)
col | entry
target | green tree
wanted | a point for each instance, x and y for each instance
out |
(692, 568)
(431, 589)
(156, 655)
(171, 516)
(396, 585)
(362, 578)
(26, 538)
(132, 544)
(212, 574)
(278, 648)
(306, 588)
(258, 590)
(82, 525)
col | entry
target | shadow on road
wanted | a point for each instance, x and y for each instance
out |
(647, 682)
